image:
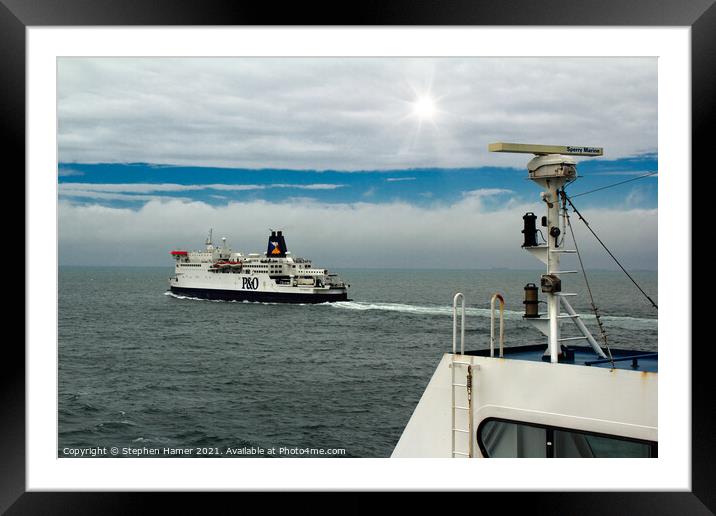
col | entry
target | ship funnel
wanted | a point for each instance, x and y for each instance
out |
(276, 245)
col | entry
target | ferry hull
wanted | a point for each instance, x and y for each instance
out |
(259, 296)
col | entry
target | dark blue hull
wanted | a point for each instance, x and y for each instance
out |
(261, 297)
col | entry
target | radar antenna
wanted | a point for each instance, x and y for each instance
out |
(542, 150)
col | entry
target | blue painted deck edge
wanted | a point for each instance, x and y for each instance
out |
(582, 355)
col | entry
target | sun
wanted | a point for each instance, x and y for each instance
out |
(424, 108)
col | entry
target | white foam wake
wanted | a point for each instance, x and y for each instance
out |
(634, 323)
(629, 323)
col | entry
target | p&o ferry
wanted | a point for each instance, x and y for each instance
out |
(218, 273)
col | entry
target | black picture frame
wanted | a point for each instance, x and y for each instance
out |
(700, 15)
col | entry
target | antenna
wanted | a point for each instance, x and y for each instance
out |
(552, 168)
(209, 244)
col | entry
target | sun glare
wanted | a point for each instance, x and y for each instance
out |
(424, 108)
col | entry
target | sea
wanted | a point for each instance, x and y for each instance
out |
(144, 373)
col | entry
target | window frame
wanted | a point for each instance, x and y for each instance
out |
(549, 437)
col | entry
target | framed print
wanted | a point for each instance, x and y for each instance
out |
(253, 236)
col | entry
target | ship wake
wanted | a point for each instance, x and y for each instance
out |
(193, 298)
(631, 323)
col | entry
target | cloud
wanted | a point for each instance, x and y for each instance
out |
(68, 172)
(348, 113)
(485, 192)
(464, 234)
(370, 192)
(129, 191)
(115, 196)
(637, 196)
(316, 186)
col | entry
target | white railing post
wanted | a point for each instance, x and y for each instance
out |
(460, 296)
(492, 324)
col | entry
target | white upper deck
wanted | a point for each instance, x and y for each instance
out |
(284, 264)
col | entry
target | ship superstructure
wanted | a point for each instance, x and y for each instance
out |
(558, 399)
(218, 273)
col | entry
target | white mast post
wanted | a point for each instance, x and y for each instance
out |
(551, 198)
(551, 168)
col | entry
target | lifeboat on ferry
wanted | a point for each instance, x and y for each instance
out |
(223, 264)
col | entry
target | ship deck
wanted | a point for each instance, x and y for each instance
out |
(631, 360)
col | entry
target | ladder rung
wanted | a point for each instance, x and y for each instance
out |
(563, 251)
(564, 272)
(462, 408)
(461, 430)
(459, 385)
(461, 363)
(461, 453)
(571, 338)
(566, 316)
(564, 294)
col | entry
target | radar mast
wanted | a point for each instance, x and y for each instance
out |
(552, 168)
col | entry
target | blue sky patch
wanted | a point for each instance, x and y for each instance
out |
(133, 184)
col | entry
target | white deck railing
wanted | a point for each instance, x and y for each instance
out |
(460, 296)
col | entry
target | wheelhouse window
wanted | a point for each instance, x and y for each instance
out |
(499, 438)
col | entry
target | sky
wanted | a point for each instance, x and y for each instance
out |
(364, 162)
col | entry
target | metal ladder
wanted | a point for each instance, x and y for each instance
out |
(457, 383)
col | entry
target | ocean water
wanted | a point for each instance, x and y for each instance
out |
(142, 371)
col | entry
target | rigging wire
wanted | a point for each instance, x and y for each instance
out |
(597, 315)
(615, 184)
(569, 200)
(540, 234)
